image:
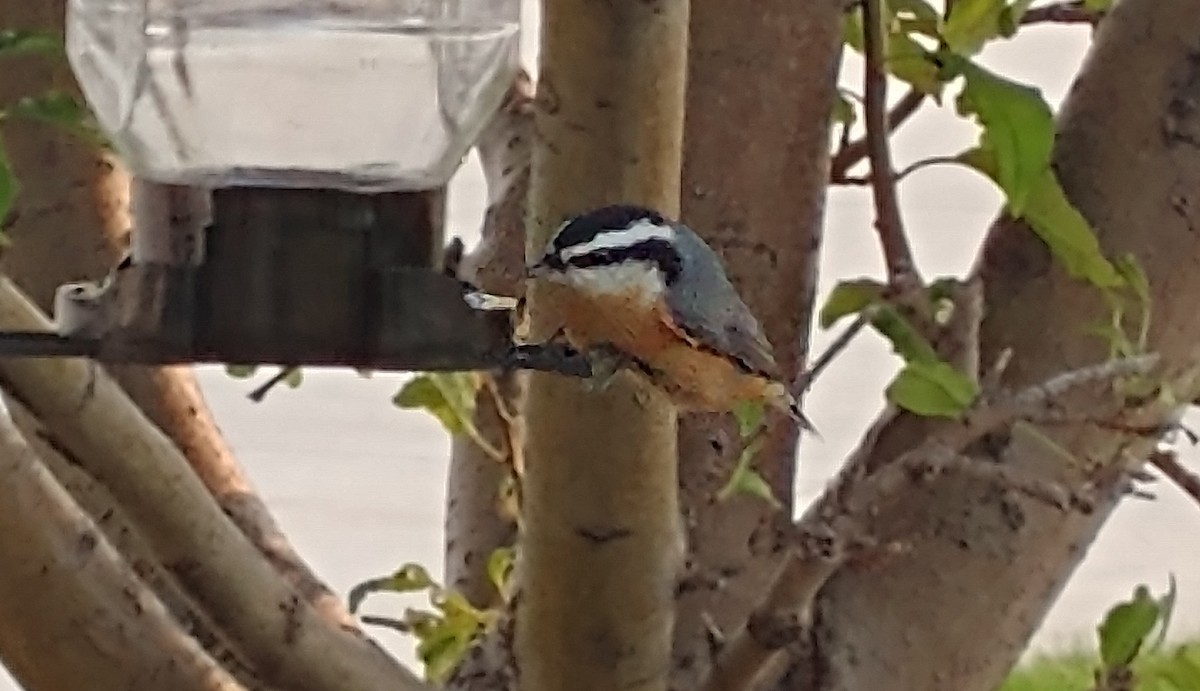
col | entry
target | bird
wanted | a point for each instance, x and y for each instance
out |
(631, 279)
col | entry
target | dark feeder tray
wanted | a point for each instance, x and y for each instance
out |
(293, 277)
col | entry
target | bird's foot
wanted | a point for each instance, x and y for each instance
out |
(606, 361)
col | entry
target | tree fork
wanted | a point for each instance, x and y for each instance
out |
(982, 567)
(601, 547)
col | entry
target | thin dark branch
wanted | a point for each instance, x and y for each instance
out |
(1170, 466)
(923, 163)
(806, 378)
(259, 393)
(896, 251)
(850, 153)
(1061, 13)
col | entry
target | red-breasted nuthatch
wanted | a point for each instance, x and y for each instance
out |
(633, 280)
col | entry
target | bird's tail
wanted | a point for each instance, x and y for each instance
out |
(786, 402)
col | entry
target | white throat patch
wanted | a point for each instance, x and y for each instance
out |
(638, 280)
(627, 237)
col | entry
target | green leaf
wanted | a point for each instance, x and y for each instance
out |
(1133, 276)
(1059, 224)
(916, 17)
(904, 58)
(849, 297)
(910, 62)
(906, 341)
(1126, 626)
(852, 29)
(443, 645)
(917, 9)
(499, 566)
(1010, 17)
(971, 24)
(1166, 610)
(1181, 670)
(748, 481)
(294, 377)
(61, 110)
(843, 110)
(240, 371)
(745, 479)
(22, 42)
(448, 396)
(1068, 234)
(1018, 129)
(8, 185)
(749, 417)
(1097, 5)
(932, 389)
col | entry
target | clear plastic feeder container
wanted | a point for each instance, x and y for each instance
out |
(362, 95)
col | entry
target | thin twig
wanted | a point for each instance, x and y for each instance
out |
(897, 254)
(805, 381)
(260, 392)
(1187, 480)
(1061, 13)
(923, 163)
(850, 153)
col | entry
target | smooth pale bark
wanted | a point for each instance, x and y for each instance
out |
(601, 543)
(90, 419)
(755, 192)
(981, 566)
(475, 523)
(77, 615)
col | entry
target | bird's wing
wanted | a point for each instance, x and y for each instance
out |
(707, 310)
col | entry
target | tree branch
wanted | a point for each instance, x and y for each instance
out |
(901, 269)
(1186, 480)
(848, 155)
(282, 635)
(839, 516)
(476, 522)
(782, 620)
(70, 603)
(1061, 13)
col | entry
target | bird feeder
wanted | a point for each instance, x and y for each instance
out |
(289, 157)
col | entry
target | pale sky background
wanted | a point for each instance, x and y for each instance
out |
(358, 485)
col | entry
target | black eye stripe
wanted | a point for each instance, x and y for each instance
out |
(658, 252)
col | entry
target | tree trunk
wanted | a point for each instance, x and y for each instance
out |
(475, 524)
(601, 543)
(755, 192)
(979, 565)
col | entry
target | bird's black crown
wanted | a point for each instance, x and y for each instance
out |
(585, 227)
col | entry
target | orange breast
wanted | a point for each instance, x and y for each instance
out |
(694, 378)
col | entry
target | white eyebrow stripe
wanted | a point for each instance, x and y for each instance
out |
(640, 231)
